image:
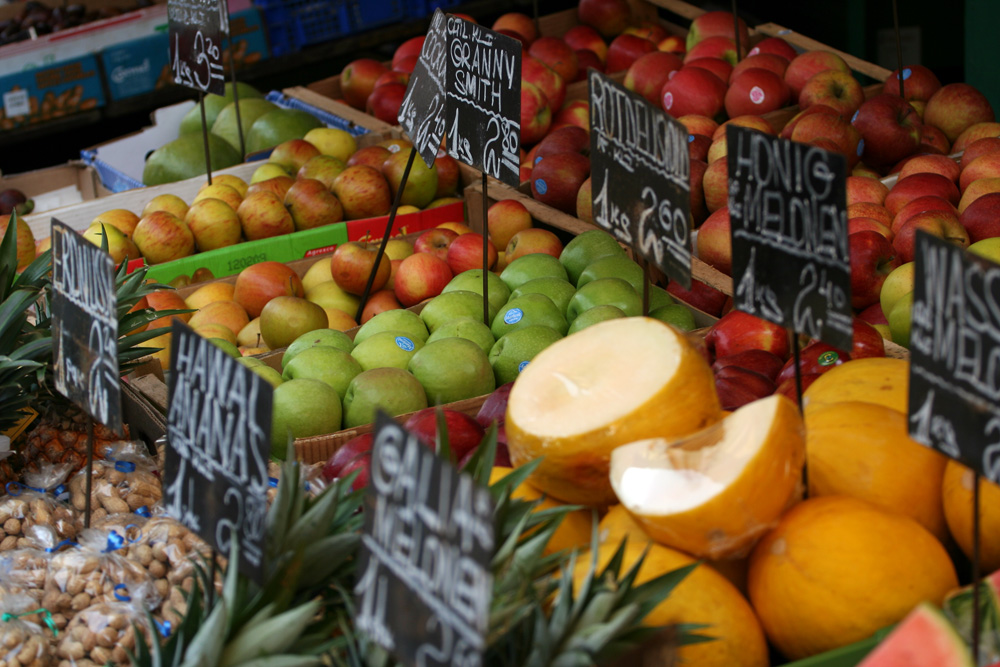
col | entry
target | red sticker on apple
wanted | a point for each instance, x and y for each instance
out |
(757, 95)
(668, 100)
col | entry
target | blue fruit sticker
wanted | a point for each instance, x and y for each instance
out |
(907, 73)
(520, 366)
(690, 138)
(861, 147)
(855, 116)
(541, 186)
(513, 316)
(404, 343)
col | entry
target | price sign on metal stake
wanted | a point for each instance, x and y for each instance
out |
(422, 113)
(197, 28)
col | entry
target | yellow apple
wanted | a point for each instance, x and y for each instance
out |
(332, 141)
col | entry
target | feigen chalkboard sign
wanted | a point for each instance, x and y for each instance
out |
(85, 326)
(218, 446)
(955, 354)
(425, 585)
(484, 100)
(422, 113)
(640, 168)
(197, 28)
(788, 213)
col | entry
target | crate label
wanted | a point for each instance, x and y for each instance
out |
(15, 103)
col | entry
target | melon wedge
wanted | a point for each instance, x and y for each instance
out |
(713, 494)
(923, 639)
(612, 383)
(881, 380)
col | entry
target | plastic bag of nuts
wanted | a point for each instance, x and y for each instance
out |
(311, 476)
(105, 632)
(35, 503)
(22, 642)
(23, 573)
(89, 574)
(118, 486)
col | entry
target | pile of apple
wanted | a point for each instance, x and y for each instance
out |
(306, 183)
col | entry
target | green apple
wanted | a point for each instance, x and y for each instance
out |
(285, 318)
(526, 311)
(897, 284)
(472, 281)
(658, 297)
(605, 291)
(514, 350)
(302, 408)
(390, 389)
(899, 320)
(593, 316)
(324, 363)
(988, 248)
(226, 347)
(250, 362)
(586, 249)
(386, 349)
(449, 306)
(529, 267)
(467, 328)
(676, 315)
(397, 319)
(452, 369)
(557, 289)
(272, 376)
(319, 337)
(613, 266)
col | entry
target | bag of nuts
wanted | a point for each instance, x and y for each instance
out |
(118, 486)
(23, 573)
(311, 476)
(90, 573)
(105, 632)
(31, 504)
(22, 642)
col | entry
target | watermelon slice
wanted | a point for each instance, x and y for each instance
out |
(958, 609)
(924, 638)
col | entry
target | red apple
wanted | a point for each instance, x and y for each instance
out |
(647, 75)
(974, 132)
(363, 192)
(699, 210)
(464, 432)
(372, 156)
(392, 76)
(807, 65)
(506, 218)
(890, 128)
(984, 166)
(379, 302)
(647, 29)
(357, 80)
(815, 359)
(529, 241)
(872, 259)
(262, 215)
(943, 224)
(547, 80)
(869, 224)
(410, 47)
(788, 390)
(868, 342)
(873, 315)
(837, 90)
(866, 209)
(775, 46)
(259, 283)
(608, 17)
(722, 48)
(520, 23)
(769, 61)
(557, 54)
(699, 124)
(860, 188)
(421, 276)
(977, 148)
(574, 112)
(756, 91)
(737, 386)
(311, 204)
(714, 246)
(570, 139)
(919, 83)
(278, 186)
(956, 107)
(981, 218)
(357, 450)
(759, 361)
(672, 44)
(717, 66)
(715, 182)
(494, 408)
(919, 205)
(556, 179)
(737, 331)
(789, 128)
(586, 59)
(448, 174)
(583, 37)
(716, 24)
(353, 262)
(698, 147)
(692, 90)
(435, 242)
(934, 164)
(703, 297)
(466, 253)
(384, 102)
(536, 116)
(625, 50)
(920, 185)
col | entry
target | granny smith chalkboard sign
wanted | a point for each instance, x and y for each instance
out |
(196, 29)
(85, 326)
(218, 445)
(640, 168)
(425, 585)
(788, 213)
(484, 99)
(954, 402)
(422, 113)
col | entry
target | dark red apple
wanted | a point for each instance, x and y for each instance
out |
(625, 50)
(815, 358)
(763, 362)
(872, 259)
(868, 342)
(703, 297)
(464, 432)
(890, 128)
(738, 331)
(737, 386)
(556, 179)
(494, 408)
(981, 218)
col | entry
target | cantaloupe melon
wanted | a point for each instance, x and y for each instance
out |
(957, 495)
(881, 380)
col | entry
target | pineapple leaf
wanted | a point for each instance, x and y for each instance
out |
(480, 464)
(8, 254)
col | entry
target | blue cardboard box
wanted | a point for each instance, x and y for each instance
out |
(46, 93)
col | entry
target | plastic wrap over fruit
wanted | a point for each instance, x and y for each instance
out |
(22, 639)
(715, 493)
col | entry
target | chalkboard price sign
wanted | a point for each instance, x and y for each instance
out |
(85, 326)
(218, 445)
(484, 99)
(640, 168)
(425, 586)
(955, 354)
(422, 113)
(197, 28)
(788, 213)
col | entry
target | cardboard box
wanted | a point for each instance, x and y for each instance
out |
(54, 187)
(49, 92)
(140, 66)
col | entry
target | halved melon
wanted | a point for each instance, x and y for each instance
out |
(713, 494)
(880, 380)
(923, 639)
(612, 383)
